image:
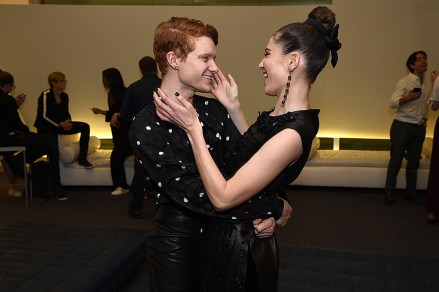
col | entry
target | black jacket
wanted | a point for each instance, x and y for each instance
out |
(49, 112)
(10, 120)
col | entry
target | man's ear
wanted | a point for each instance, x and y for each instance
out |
(172, 59)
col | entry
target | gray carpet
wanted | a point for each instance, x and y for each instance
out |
(321, 269)
(350, 222)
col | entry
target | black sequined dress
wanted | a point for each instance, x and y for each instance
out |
(234, 258)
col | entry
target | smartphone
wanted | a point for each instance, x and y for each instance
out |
(417, 89)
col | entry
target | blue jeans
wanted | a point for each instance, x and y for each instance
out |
(406, 139)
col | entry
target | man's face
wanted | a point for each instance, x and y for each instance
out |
(420, 65)
(199, 67)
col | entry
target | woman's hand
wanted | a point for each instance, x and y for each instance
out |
(96, 111)
(225, 90)
(66, 125)
(178, 111)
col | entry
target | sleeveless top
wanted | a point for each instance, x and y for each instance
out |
(228, 244)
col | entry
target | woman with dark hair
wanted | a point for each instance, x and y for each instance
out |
(114, 84)
(268, 157)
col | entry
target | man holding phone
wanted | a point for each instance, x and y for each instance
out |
(13, 132)
(407, 133)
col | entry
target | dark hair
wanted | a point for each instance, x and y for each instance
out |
(6, 78)
(113, 78)
(412, 59)
(308, 40)
(148, 65)
(177, 35)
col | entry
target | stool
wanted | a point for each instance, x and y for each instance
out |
(27, 189)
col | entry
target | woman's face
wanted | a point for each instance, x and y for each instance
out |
(60, 85)
(196, 72)
(274, 67)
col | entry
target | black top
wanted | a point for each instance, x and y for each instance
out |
(138, 95)
(115, 99)
(305, 122)
(10, 120)
(49, 112)
(165, 154)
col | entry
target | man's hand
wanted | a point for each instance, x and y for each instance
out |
(264, 228)
(286, 214)
(434, 75)
(114, 120)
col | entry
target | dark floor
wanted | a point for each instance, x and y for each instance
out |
(346, 219)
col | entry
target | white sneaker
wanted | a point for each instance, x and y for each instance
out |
(15, 194)
(119, 191)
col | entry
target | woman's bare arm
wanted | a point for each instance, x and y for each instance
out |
(276, 154)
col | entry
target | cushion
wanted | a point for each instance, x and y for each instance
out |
(69, 147)
(314, 147)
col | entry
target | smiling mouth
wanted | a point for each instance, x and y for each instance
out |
(208, 77)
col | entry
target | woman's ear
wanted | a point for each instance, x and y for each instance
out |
(172, 59)
(293, 61)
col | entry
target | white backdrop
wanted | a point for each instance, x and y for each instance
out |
(81, 41)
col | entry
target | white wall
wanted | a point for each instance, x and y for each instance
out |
(81, 41)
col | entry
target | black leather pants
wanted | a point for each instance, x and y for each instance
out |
(174, 251)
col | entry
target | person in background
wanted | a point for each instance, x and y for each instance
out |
(13, 132)
(113, 83)
(138, 95)
(185, 50)
(12, 178)
(407, 133)
(432, 198)
(53, 117)
(269, 156)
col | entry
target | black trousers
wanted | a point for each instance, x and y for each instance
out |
(121, 151)
(406, 139)
(174, 250)
(52, 135)
(37, 146)
(137, 187)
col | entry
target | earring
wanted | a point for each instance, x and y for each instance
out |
(287, 89)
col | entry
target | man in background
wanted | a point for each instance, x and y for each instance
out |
(13, 132)
(407, 133)
(138, 95)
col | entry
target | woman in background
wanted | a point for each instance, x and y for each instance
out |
(432, 199)
(114, 84)
(53, 117)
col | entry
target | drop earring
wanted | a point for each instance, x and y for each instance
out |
(287, 89)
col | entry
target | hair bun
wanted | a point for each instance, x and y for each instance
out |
(323, 19)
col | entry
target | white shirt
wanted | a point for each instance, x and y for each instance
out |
(435, 95)
(415, 111)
